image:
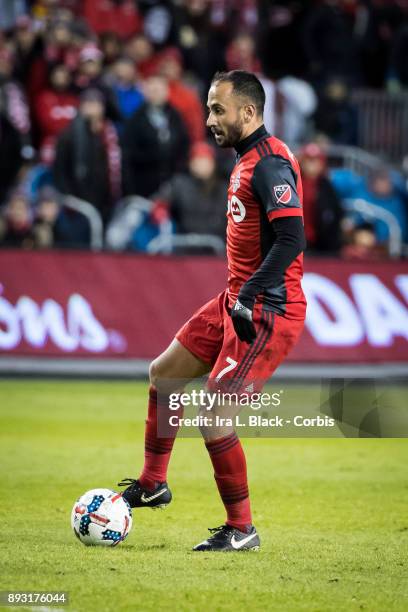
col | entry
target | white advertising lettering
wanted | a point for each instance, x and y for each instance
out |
(331, 318)
(401, 280)
(10, 333)
(375, 314)
(339, 315)
(36, 323)
(384, 316)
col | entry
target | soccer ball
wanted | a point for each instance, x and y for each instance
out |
(101, 517)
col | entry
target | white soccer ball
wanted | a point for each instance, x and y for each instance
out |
(101, 517)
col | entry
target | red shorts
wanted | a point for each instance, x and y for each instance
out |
(210, 336)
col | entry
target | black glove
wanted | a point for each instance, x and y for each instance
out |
(242, 320)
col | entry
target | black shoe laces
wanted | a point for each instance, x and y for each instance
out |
(126, 482)
(219, 529)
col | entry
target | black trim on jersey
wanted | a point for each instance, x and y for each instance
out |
(261, 148)
(265, 331)
(264, 338)
(251, 348)
(268, 146)
(250, 141)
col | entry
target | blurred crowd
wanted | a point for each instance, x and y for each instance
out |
(102, 102)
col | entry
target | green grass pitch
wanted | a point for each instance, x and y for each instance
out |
(332, 514)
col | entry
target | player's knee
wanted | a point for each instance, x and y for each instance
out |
(209, 427)
(160, 377)
(154, 373)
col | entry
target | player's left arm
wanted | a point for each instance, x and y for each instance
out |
(274, 184)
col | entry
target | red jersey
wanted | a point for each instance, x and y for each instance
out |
(265, 184)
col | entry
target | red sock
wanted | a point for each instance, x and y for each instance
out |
(230, 473)
(157, 450)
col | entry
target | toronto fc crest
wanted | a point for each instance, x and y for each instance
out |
(236, 181)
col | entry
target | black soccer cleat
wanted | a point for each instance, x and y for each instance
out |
(230, 539)
(139, 497)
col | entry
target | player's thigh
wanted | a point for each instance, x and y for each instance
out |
(175, 367)
(193, 350)
(203, 333)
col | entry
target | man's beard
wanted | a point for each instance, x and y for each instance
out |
(233, 136)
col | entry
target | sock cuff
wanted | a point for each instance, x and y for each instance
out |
(221, 445)
(231, 479)
(233, 489)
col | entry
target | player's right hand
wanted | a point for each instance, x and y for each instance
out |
(242, 320)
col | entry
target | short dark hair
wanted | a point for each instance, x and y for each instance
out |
(244, 84)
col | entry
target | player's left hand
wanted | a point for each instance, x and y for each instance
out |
(242, 320)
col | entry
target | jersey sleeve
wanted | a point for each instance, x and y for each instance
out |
(274, 184)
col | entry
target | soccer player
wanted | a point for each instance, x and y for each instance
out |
(245, 332)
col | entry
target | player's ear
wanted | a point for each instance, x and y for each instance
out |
(249, 112)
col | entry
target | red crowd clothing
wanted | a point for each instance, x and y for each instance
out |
(54, 111)
(106, 15)
(186, 101)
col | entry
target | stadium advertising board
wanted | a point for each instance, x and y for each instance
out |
(127, 306)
